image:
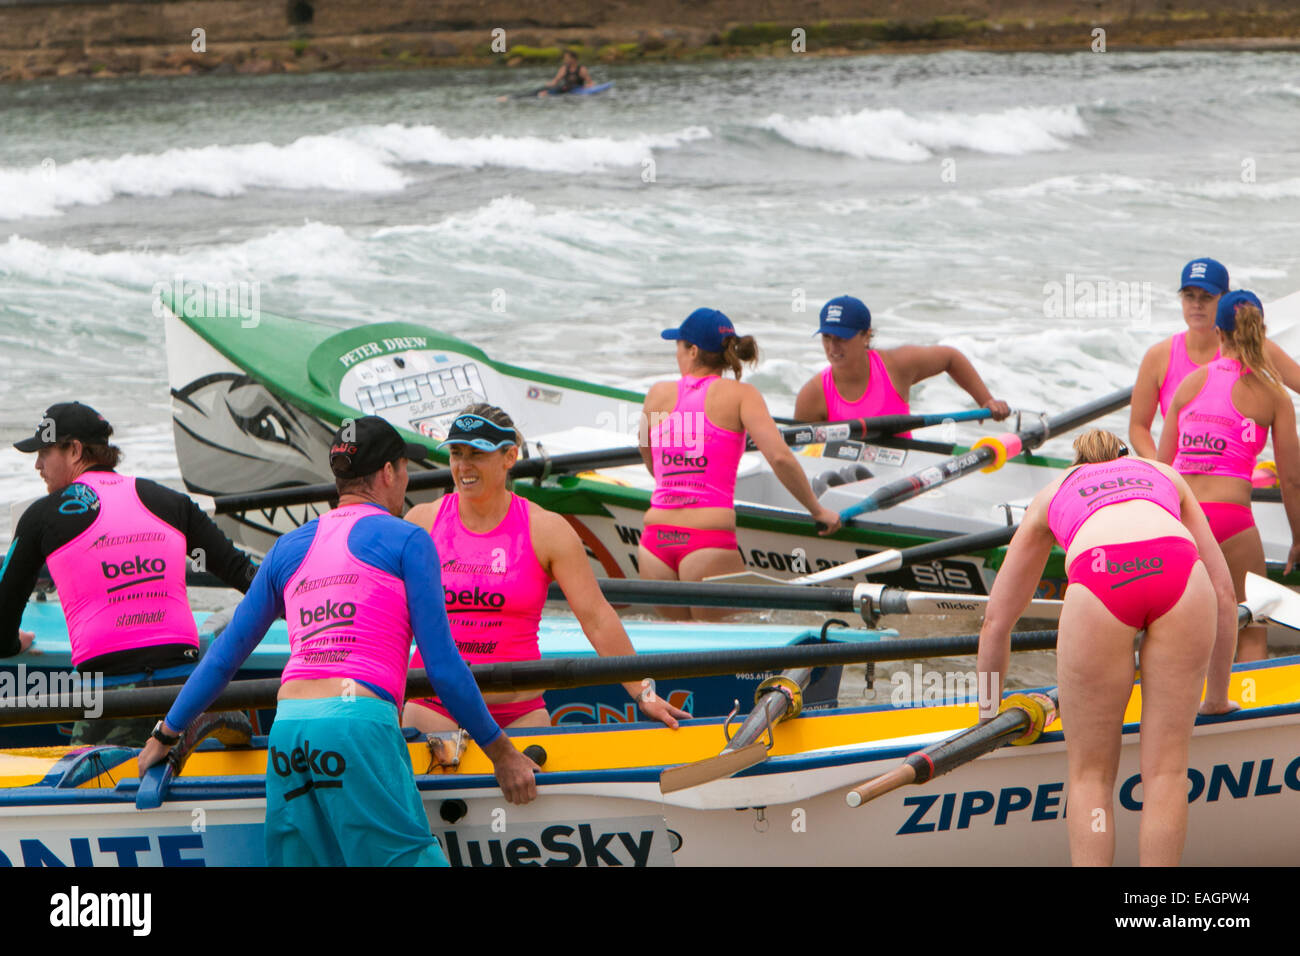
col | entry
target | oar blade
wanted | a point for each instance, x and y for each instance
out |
(712, 768)
(1272, 601)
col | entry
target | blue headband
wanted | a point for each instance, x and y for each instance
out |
(478, 432)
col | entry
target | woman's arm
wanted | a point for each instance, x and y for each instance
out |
(1287, 367)
(1013, 588)
(1146, 399)
(1225, 641)
(810, 404)
(916, 363)
(1286, 452)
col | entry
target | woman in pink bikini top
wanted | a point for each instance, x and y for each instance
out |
(1218, 422)
(1167, 363)
(692, 436)
(862, 382)
(1140, 556)
(498, 553)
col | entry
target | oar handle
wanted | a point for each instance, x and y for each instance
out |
(1021, 721)
(900, 776)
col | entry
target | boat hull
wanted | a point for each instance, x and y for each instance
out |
(599, 801)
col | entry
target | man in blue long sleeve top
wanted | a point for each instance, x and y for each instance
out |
(354, 586)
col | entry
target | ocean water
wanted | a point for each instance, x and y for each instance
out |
(969, 199)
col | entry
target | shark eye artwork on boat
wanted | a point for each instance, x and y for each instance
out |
(265, 424)
(234, 432)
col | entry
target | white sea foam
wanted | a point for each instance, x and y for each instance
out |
(429, 144)
(363, 159)
(309, 250)
(896, 135)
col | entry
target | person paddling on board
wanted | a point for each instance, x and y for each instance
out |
(1169, 361)
(569, 77)
(692, 434)
(1139, 556)
(502, 552)
(117, 548)
(1219, 420)
(354, 586)
(862, 382)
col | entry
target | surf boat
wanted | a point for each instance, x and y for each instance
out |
(254, 409)
(560, 637)
(601, 802)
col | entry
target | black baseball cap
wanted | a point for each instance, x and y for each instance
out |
(67, 421)
(364, 445)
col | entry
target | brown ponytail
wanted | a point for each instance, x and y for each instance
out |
(1096, 445)
(1248, 341)
(736, 351)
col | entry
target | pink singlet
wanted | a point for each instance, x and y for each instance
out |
(1161, 565)
(122, 580)
(695, 465)
(880, 398)
(1214, 438)
(327, 635)
(494, 588)
(1180, 366)
(695, 461)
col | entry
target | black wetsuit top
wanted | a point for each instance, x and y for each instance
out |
(43, 529)
(571, 80)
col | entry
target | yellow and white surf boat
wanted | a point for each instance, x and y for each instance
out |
(600, 801)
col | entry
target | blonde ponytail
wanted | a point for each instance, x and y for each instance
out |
(1249, 342)
(1096, 445)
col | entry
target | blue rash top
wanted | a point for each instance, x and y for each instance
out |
(383, 542)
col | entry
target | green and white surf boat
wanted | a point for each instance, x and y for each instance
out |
(255, 405)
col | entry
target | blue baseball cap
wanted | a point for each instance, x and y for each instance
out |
(1207, 274)
(1226, 316)
(707, 329)
(844, 317)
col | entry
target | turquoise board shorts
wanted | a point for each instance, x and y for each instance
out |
(339, 788)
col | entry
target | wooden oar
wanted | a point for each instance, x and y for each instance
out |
(883, 561)
(989, 454)
(541, 467)
(1021, 721)
(545, 674)
(867, 599)
(777, 698)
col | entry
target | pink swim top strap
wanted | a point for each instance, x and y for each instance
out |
(346, 618)
(1180, 366)
(695, 461)
(493, 584)
(1089, 488)
(122, 581)
(1214, 438)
